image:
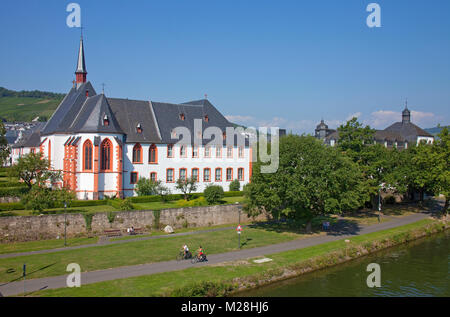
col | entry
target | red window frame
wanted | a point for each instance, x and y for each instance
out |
(131, 177)
(153, 149)
(106, 152)
(243, 175)
(137, 154)
(229, 179)
(173, 175)
(197, 179)
(215, 174)
(185, 173)
(87, 156)
(156, 176)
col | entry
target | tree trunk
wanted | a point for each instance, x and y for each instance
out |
(309, 226)
(446, 205)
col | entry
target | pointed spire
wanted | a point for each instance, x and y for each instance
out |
(81, 65)
(406, 114)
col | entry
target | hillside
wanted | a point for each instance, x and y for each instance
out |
(434, 131)
(27, 105)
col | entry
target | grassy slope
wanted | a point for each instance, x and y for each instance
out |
(163, 283)
(26, 109)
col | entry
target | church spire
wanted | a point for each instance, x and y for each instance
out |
(81, 65)
(406, 114)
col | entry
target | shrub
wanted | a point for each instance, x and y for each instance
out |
(88, 219)
(235, 186)
(213, 194)
(203, 289)
(146, 187)
(192, 203)
(13, 191)
(126, 204)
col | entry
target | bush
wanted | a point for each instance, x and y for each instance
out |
(12, 184)
(145, 187)
(13, 191)
(126, 205)
(203, 289)
(192, 203)
(235, 186)
(213, 194)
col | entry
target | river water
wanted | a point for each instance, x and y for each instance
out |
(419, 268)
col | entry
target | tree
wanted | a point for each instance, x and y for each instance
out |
(146, 187)
(235, 186)
(312, 179)
(187, 186)
(33, 168)
(162, 190)
(353, 137)
(5, 151)
(41, 197)
(213, 194)
(441, 166)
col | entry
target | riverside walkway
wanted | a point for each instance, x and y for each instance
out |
(15, 288)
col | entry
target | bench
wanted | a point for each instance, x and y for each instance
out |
(137, 231)
(113, 233)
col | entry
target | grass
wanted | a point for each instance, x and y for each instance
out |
(137, 252)
(165, 283)
(26, 108)
(16, 247)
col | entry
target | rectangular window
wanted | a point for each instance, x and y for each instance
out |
(229, 174)
(241, 152)
(195, 174)
(218, 174)
(230, 152)
(153, 177)
(240, 174)
(170, 150)
(218, 152)
(169, 175)
(194, 151)
(207, 151)
(133, 178)
(183, 174)
(206, 175)
(183, 151)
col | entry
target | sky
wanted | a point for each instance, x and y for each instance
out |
(261, 63)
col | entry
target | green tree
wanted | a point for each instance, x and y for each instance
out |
(162, 190)
(235, 186)
(312, 179)
(187, 186)
(213, 194)
(33, 168)
(441, 166)
(353, 137)
(146, 187)
(5, 151)
(41, 197)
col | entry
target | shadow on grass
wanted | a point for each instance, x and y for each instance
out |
(12, 270)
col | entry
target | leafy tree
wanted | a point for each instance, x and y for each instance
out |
(187, 186)
(213, 194)
(41, 197)
(162, 190)
(312, 179)
(353, 137)
(33, 168)
(146, 187)
(5, 151)
(235, 186)
(441, 166)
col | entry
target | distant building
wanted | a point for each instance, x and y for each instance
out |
(399, 135)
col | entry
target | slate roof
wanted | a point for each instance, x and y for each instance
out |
(31, 137)
(408, 131)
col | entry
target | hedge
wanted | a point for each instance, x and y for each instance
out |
(156, 198)
(11, 206)
(12, 184)
(13, 191)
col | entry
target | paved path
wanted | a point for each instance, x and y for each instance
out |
(14, 288)
(98, 244)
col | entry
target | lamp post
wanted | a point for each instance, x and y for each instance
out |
(379, 202)
(65, 224)
(239, 225)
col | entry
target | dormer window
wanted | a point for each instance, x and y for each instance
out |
(139, 128)
(224, 135)
(173, 134)
(105, 120)
(206, 118)
(182, 117)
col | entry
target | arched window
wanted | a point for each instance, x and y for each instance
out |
(137, 153)
(87, 155)
(106, 153)
(153, 154)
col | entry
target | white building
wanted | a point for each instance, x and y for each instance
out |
(104, 145)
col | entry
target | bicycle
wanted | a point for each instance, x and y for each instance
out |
(182, 256)
(196, 259)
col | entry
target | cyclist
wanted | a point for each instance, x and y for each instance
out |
(185, 250)
(201, 253)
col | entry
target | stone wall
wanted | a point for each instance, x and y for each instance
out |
(26, 228)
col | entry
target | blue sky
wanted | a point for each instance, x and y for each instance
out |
(284, 63)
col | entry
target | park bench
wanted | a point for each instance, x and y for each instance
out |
(138, 231)
(113, 233)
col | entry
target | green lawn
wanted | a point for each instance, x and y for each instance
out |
(163, 283)
(138, 252)
(16, 247)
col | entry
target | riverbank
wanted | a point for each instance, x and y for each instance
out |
(231, 277)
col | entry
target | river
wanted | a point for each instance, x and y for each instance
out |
(419, 268)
